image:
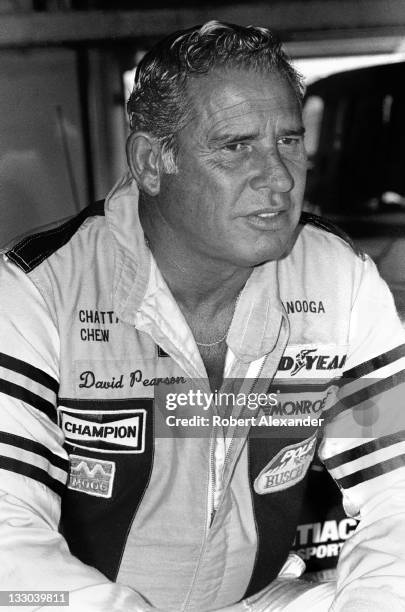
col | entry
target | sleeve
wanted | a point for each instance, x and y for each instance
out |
(33, 463)
(363, 448)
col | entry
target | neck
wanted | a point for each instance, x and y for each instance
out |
(196, 281)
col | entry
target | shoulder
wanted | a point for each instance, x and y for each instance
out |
(327, 255)
(324, 262)
(328, 252)
(324, 245)
(30, 251)
(328, 233)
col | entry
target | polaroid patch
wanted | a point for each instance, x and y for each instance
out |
(91, 476)
(104, 431)
(287, 468)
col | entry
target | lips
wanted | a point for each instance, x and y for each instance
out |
(267, 212)
(267, 215)
(267, 220)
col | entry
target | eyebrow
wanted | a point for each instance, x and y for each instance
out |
(232, 137)
(238, 137)
(295, 132)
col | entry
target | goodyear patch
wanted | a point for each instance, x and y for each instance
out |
(91, 476)
(287, 468)
(312, 361)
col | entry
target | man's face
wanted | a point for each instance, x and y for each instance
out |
(238, 192)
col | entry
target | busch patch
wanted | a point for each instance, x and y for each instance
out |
(91, 476)
(287, 468)
(102, 431)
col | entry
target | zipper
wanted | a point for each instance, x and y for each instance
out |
(228, 451)
(212, 511)
(250, 391)
(212, 484)
(231, 444)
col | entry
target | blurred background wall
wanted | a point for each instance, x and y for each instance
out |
(66, 67)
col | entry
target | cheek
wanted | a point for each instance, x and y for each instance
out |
(220, 190)
(298, 171)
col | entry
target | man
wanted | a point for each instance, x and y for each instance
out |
(142, 311)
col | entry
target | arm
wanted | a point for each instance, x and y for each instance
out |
(363, 448)
(33, 463)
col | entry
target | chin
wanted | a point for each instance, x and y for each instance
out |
(262, 255)
(256, 258)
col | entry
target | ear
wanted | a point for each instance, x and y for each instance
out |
(143, 155)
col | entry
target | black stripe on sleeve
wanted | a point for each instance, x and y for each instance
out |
(33, 472)
(364, 449)
(375, 364)
(30, 398)
(34, 249)
(34, 447)
(350, 401)
(30, 371)
(371, 472)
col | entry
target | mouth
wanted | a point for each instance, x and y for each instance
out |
(267, 215)
(267, 220)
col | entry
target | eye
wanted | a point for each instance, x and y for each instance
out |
(290, 140)
(292, 146)
(238, 147)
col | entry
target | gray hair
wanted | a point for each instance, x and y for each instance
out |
(159, 103)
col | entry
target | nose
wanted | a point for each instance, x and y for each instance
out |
(272, 173)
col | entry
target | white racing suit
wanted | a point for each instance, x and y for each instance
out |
(105, 495)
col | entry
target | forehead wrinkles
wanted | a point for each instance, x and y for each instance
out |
(213, 121)
(215, 108)
(267, 110)
(244, 115)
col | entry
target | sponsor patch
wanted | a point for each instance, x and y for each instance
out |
(287, 468)
(309, 361)
(103, 431)
(297, 405)
(91, 476)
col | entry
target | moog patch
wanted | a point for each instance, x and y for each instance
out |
(103, 431)
(91, 476)
(287, 468)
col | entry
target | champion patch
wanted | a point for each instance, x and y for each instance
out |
(287, 468)
(102, 431)
(91, 476)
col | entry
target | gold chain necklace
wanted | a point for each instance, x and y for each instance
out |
(213, 343)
